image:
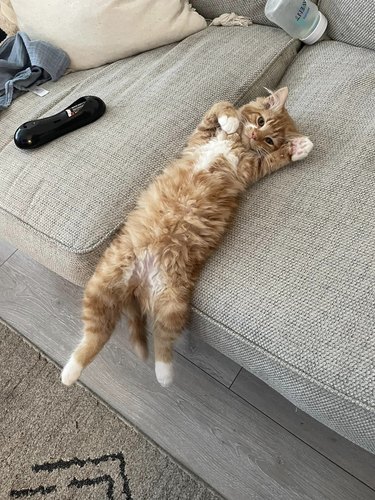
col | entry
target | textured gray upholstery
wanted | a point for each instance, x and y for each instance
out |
(214, 8)
(254, 9)
(63, 202)
(290, 293)
(350, 21)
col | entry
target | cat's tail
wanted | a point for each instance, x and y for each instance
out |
(137, 327)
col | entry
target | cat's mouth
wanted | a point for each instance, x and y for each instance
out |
(251, 144)
(257, 149)
(254, 146)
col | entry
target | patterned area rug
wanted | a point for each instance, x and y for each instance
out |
(61, 443)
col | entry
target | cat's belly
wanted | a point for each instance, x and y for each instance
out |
(217, 147)
(145, 276)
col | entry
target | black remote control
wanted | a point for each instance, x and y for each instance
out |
(83, 111)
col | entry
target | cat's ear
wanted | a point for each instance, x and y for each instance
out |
(276, 100)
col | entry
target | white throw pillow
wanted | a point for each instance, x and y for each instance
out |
(8, 21)
(96, 32)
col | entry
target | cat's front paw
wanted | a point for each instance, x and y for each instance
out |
(300, 148)
(229, 124)
(71, 372)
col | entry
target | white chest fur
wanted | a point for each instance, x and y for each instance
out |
(217, 146)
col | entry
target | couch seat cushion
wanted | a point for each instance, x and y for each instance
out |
(290, 293)
(62, 203)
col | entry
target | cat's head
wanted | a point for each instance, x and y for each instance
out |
(266, 124)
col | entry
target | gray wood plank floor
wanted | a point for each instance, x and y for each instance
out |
(347, 455)
(210, 360)
(242, 451)
(6, 250)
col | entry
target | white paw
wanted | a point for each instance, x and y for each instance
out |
(229, 124)
(71, 372)
(164, 373)
(301, 147)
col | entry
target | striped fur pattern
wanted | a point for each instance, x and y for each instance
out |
(152, 265)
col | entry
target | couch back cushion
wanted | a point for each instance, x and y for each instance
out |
(94, 32)
(254, 9)
(351, 21)
(250, 8)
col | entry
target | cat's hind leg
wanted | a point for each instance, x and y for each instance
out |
(101, 310)
(103, 302)
(169, 319)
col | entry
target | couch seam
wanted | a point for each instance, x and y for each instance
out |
(280, 361)
(44, 236)
(270, 64)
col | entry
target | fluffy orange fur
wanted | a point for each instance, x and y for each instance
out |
(152, 265)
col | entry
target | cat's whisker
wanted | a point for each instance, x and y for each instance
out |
(262, 151)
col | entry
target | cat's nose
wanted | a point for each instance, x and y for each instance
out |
(253, 134)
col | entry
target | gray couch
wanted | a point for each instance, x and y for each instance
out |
(290, 293)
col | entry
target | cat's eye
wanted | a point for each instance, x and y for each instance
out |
(269, 140)
(260, 121)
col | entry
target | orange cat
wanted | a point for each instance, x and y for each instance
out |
(152, 265)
